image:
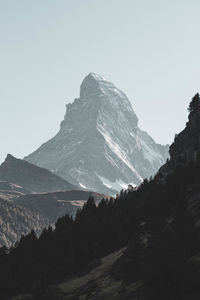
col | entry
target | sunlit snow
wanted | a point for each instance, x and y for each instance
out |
(115, 148)
(117, 185)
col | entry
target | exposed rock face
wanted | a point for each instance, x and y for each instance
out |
(16, 220)
(100, 146)
(19, 175)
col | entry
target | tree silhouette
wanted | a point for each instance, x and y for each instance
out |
(194, 104)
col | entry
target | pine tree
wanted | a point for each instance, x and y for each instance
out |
(195, 103)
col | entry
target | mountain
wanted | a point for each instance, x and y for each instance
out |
(144, 244)
(20, 213)
(17, 221)
(99, 145)
(8, 186)
(23, 176)
(33, 198)
(57, 204)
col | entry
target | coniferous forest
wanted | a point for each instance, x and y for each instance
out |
(157, 224)
(100, 150)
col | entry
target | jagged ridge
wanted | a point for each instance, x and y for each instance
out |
(99, 145)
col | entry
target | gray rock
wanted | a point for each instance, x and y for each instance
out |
(99, 145)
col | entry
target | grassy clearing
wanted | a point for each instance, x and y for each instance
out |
(97, 284)
(93, 275)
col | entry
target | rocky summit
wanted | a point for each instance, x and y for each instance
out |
(99, 145)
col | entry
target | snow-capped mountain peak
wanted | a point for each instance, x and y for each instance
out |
(94, 84)
(99, 145)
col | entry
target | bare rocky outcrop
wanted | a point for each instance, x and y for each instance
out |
(100, 146)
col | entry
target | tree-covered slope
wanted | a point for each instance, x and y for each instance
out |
(158, 223)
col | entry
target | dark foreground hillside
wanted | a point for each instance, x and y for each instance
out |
(154, 229)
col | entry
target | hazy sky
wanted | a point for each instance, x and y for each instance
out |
(150, 49)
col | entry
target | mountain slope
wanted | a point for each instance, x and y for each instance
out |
(96, 284)
(57, 204)
(16, 221)
(99, 145)
(162, 259)
(30, 177)
(11, 187)
(158, 224)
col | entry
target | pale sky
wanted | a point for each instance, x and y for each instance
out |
(150, 49)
